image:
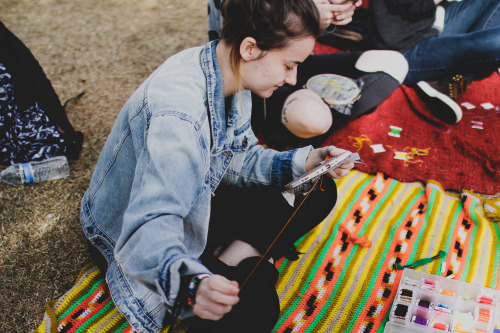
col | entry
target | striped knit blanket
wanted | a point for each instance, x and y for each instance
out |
(345, 281)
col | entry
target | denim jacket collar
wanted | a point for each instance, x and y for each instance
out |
(216, 98)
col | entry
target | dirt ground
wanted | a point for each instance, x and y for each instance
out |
(105, 48)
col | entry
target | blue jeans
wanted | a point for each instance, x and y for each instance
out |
(468, 44)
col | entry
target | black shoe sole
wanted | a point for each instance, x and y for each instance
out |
(441, 106)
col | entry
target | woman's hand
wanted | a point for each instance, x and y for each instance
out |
(215, 296)
(318, 155)
(336, 12)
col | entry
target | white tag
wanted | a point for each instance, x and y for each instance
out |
(468, 105)
(487, 106)
(289, 197)
(378, 148)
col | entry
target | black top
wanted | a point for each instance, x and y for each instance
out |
(399, 24)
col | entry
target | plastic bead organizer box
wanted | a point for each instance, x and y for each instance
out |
(431, 303)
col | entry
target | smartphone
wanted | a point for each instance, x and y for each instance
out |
(323, 168)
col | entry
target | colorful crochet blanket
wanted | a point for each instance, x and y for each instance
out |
(346, 279)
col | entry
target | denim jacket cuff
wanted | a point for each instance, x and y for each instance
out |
(299, 161)
(174, 269)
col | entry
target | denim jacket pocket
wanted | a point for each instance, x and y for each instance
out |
(240, 140)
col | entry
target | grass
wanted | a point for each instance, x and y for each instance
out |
(105, 48)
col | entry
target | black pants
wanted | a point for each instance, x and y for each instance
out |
(376, 87)
(256, 216)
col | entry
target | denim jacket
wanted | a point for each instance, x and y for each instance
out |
(147, 208)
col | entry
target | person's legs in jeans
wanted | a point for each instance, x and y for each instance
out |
(454, 50)
(442, 56)
(468, 48)
(442, 67)
(461, 47)
(471, 15)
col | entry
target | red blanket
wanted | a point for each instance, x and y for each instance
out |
(459, 156)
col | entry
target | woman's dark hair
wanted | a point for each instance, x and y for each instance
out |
(272, 23)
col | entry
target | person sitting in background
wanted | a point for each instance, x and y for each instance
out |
(446, 46)
(309, 120)
(181, 173)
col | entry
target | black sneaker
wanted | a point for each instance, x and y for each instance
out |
(440, 97)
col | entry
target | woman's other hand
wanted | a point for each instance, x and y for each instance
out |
(336, 12)
(318, 155)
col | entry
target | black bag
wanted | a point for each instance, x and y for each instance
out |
(33, 123)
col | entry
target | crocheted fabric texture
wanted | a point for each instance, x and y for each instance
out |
(345, 281)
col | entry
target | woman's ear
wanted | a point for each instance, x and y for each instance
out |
(249, 50)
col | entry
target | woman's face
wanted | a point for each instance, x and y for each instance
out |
(264, 74)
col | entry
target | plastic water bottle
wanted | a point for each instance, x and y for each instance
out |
(31, 172)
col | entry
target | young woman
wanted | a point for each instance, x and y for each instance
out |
(181, 173)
